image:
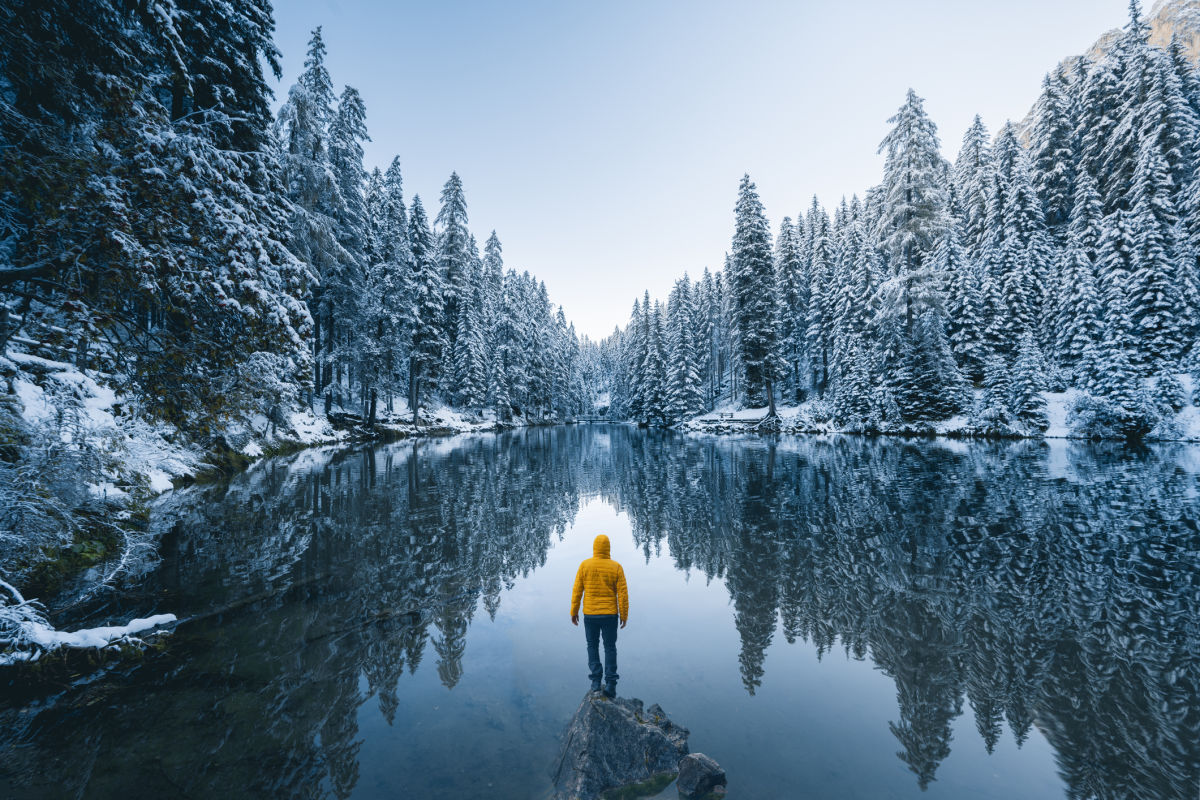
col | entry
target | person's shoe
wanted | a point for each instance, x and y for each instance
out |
(595, 686)
(610, 690)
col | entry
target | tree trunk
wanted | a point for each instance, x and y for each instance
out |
(770, 390)
(374, 404)
(413, 382)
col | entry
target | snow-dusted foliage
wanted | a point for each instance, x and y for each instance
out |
(1060, 256)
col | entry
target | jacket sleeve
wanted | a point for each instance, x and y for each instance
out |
(577, 592)
(622, 594)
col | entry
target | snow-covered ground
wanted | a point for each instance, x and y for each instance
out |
(814, 417)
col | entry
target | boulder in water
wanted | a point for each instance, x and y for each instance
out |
(700, 777)
(618, 744)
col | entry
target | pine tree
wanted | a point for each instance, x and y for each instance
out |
(1154, 293)
(1077, 320)
(914, 193)
(343, 283)
(1054, 153)
(852, 401)
(423, 317)
(792, 279)
(653, 371)
(470, 376)
(964, 301)
(1026, 402)
(684, 396)
(822, 296)
(301, 133)
(997, 392)
(1117, 379)
(754, 292)
(454, 258)
(971, 179)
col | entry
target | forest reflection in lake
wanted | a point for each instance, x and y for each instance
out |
(939, 601)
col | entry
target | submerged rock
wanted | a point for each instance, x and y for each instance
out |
(617, 745)
(700, 777)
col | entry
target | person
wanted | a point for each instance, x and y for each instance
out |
(600, 583)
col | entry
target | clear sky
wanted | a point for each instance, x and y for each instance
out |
(604, 141)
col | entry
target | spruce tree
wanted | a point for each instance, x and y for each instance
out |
(1054, 153)
(1154, 292)
(1026, 401)
(753, 278)
(424, 312)
(454, 258)
(971, 179)
(791, 278)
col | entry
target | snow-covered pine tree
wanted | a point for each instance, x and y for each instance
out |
(344, 284)
(914, 188)
(852, 400)
(423, 314)
(454, 258)
(924, 379)
(301, 134)
(684, 399)
(380, 351)
(493, 289)
(1026, 401)
(753, 279)
(1054, 153)
(971, 180)
(1154, 292)
(964, 300)
(1119, 155)
(792, 279)
(1100, 114)
(997, 393)
(822, 295)
(1077, 310)
(1117, 379)
(470, 386)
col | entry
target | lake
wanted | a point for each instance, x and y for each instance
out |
(830, 617)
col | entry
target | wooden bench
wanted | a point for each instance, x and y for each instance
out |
(724, 415)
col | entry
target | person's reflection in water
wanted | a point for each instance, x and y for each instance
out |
(600, 583)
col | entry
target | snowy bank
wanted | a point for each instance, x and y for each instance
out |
(816, 416)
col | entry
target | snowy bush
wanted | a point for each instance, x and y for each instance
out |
(1167, 394)
(820, 412)
(1099, 418)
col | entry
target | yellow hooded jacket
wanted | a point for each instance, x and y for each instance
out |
(600, 582)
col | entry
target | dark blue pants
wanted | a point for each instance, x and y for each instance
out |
(593, 626)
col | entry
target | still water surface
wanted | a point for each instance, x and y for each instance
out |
(838, 617)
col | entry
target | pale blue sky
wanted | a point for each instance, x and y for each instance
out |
(604, 141)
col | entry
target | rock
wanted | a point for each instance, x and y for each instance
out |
(612, 744)
(700, 776)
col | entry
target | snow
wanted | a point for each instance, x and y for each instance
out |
(309, 428)
(47, 638)
(1058, 405)
(160, 481)
(806, 418)
(26, 634)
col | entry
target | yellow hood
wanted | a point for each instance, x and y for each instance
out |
(600, 547)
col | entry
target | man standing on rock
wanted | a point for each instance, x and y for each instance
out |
(600, 583)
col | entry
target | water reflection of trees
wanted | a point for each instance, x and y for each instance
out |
(301, 578)
(1042, 590)
(1028, 587)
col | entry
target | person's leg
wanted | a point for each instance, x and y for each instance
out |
(610, 654)
(591, 632)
